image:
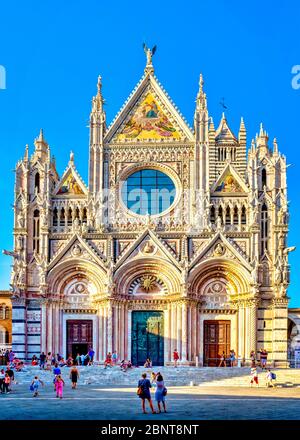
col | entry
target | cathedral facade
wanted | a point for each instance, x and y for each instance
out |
(177, 242)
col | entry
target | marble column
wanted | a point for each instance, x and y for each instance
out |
(104, 311)
(109, 328)
(173, 327)
(241, 330)
(184, 333)
(194, 332)
(100, 338)
(49, 328)
(179, 330)
(43, 326)
(56, 327)
(129, 320)
(166, 336)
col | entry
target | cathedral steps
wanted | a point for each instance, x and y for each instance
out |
(182, 376)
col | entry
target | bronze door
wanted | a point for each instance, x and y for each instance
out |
(79, 336)
(147, 337)
(216, 340)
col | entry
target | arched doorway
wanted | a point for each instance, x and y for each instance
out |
(223, 325)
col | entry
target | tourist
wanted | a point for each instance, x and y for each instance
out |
(2, 377)
(253, 359)
(58, 357)
(175, 357)
(269, 379)
(34, 360)
(11, 376)
(70, 361)
(77, 360)
(254, 376)
(143, 392)
(114, 358)
(56, 372)
(42, 360)
(82, 358)
(48, 361)
(11, 356)
(62, 362)
(108, 361)
(35, 386)
(74, 376)
(129, 364)
(232, 358)
(153, 377)
(6, 384)
(148, 363)
(263, 358)
(223, 360)
(59, 386)
(160, 392)
(91, 354)
(123, 365)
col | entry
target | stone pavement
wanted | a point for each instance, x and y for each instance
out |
(93, 402)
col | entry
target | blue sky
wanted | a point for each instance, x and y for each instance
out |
(53, 52)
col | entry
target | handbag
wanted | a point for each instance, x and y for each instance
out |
(31, 387)
(165, 391)
(139, 391)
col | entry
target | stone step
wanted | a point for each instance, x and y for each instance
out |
(183, 376)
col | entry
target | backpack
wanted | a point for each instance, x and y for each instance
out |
(273, 376)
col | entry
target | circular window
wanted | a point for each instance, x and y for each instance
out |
(148, 192)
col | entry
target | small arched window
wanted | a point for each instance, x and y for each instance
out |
(212, 214)
(228, 220)
(263, 177)
(235, 216)
(37, 183)
(36, 231)
(264, 228)
(243, 217)
(55, 217)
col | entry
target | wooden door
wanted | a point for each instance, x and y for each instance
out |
(216, 340)
(79, 331)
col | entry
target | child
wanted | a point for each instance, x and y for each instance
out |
(35, 386)
(59, 386)
(269, 379)
(254, 376)
(6, 384)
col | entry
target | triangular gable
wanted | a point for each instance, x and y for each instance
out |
(229, 182)
(145, 246)
(76, 247)
(70, 184)
(148, 115)
(220, 247)
(224, 133)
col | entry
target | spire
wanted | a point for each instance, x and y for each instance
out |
(275, 147)
(71, 161)
(262, 138)
(98, 100)
(149, 69)
(242, 132)
(201, 103)
(41, 145)
(26, 154)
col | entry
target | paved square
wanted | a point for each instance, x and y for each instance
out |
(121, 403)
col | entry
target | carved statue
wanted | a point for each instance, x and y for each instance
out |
(219, 223)
(281, 216)
(149, 53)
(20, 220)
